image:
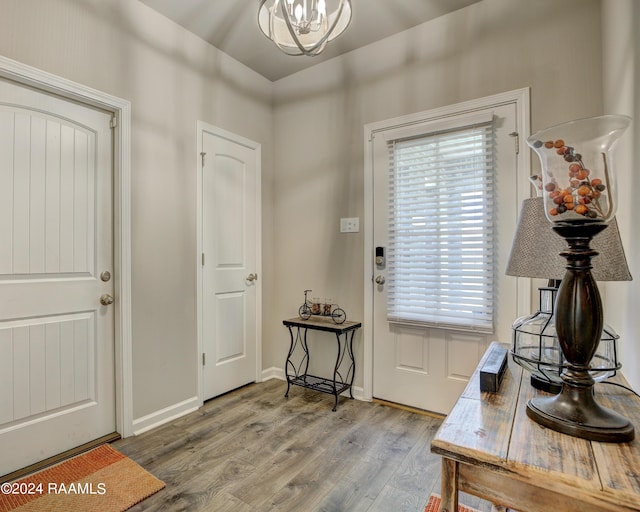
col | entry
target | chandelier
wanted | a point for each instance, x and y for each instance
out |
(303, 27)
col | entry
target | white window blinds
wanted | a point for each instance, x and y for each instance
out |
(441, 229)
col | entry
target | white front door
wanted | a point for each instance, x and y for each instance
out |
(426, 367)
(230, 188)
(57, 388)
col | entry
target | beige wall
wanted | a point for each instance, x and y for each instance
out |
(172, 79)
(621, 75)
(551, 46)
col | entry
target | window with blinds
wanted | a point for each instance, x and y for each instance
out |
(441, 229)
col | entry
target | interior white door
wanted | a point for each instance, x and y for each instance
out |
(428, 368)
(57, 388)
(230, 261)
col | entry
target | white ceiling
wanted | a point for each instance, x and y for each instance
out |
(231, 26)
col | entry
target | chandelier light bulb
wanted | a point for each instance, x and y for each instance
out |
(322, 10)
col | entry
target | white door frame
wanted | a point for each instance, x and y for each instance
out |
(121, 109)
(521, 98)
(201, 127)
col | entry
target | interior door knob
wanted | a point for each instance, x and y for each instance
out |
(106, 299)
(252, 277)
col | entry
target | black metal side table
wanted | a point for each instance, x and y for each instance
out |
(298, 375)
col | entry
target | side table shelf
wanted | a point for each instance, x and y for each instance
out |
(297, 374)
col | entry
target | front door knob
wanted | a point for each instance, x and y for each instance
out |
(106, 299)
(380, 279)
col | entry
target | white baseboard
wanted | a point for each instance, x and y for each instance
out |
(358, 393)
(155, 419)
(273, 373)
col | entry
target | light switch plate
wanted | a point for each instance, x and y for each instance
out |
(350, 225)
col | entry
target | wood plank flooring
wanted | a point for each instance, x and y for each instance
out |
(254, 450)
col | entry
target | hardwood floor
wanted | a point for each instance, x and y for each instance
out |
(254, 450)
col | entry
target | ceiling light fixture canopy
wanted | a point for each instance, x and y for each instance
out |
(303, 27)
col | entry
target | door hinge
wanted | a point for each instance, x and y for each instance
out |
(203, 154)
(203, 359)
(114, 122)
(203, 259)
(516, 136)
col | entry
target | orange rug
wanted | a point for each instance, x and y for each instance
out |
(433, 505)
(101, 480)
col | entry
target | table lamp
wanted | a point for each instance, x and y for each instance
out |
(535, 253)
(579, 194)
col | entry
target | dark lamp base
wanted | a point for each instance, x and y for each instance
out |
(545, 385)
(575, 412)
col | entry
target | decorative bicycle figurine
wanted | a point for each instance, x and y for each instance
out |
(317, 308)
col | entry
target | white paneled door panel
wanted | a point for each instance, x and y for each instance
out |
(48, 183)
(57, 388)
(46, 366)
(230, 234)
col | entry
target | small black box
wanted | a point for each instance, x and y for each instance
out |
(493, 369)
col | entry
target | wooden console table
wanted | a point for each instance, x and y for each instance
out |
(297, 374)
(491, 449)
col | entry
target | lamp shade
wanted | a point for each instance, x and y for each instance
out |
(536, 248)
